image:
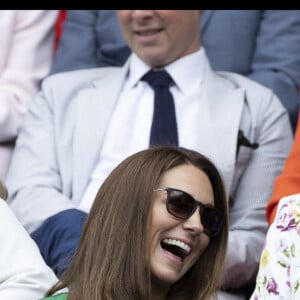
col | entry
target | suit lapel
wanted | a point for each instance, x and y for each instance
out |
(222, 108)
(94, 107)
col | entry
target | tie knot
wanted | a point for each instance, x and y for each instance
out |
(158, 78)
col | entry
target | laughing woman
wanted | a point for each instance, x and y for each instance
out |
(157, 230)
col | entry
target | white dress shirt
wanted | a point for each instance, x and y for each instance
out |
(129, 128)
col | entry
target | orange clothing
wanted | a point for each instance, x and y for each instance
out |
(288, 182)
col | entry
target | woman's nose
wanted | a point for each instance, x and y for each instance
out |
(193, 223)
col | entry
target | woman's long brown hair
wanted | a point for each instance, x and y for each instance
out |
(111, 262)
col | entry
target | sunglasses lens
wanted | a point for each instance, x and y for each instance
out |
(180, 205)
(211, 220)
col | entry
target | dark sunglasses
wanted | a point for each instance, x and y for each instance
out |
(182, 205)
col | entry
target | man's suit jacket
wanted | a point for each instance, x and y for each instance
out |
(260, 44)
(64, 130)
(23, 272)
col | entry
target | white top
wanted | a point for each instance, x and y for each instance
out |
(23, 273)
(129, 128)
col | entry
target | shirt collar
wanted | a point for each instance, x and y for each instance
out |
(136, 70)
(183, 70)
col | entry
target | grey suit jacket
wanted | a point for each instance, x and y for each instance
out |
(260, 44)
(59, 143)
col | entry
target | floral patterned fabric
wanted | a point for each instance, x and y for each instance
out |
(279, 270)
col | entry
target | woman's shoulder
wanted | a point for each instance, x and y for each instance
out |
(62, 296)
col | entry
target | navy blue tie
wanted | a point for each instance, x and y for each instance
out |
(164, 127)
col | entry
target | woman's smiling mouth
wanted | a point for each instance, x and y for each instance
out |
(176, 247)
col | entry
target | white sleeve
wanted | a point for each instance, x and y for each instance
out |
(23, 272)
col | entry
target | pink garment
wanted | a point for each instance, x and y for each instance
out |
(26, 53)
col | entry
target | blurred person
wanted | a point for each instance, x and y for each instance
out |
(26, 53)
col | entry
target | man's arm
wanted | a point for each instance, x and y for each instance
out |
(40, 183)
(34, 180)
(271, 130)
(276, 59)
